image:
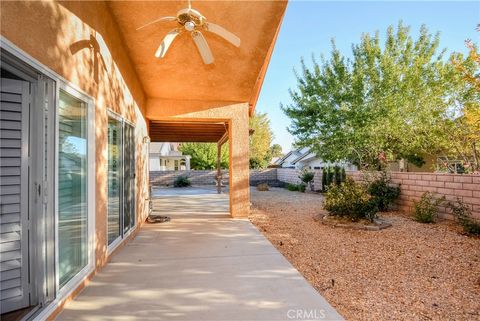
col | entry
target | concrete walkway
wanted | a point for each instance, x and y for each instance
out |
(198, 266)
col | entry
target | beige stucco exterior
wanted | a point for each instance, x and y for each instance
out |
(94, 46)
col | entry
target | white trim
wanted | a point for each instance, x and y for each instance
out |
(64, 84)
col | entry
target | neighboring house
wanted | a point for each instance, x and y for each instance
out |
(302, 158)
(167, 157)
(287, 160)
(82, 96)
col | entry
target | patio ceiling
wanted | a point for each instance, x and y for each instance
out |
(237, 73)
(182, 132)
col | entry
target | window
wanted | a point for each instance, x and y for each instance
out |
(72, 187)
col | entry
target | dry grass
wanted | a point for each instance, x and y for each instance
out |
(411, 271)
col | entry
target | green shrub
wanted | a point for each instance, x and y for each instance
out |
(296, 187)
(463, 216)
(301, 187)
(182, 181)
(292, 187)
(263, 187)
(351, 200)
(382, 192)
(426, 210)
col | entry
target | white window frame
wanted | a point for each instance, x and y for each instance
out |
(90, 267)
(61, 83)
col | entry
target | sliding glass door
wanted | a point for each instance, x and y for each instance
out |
(129, 178)
(115, 195)
(121, 178)
(72, 187)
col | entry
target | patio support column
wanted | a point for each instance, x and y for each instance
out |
(239, 161)
(219, 168)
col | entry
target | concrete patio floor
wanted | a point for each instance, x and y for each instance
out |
(201, 265)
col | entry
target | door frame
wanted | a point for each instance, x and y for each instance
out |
(49, 186)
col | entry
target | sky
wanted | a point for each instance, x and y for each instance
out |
(308, 27)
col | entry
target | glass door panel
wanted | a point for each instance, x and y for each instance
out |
(115, 171)
(129, 178)
(72, 187)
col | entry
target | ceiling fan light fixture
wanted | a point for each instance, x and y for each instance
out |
(189, 25)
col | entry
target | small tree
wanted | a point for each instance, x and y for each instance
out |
(336, 172)
(307, 177)
(344, 175)
(329, 176)
(324, 179)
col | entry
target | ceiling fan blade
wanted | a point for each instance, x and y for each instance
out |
(166, 42)
(202, 47)
(224, 33)
(157, 20)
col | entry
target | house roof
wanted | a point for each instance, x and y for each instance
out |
(304, 157)
(296, 152)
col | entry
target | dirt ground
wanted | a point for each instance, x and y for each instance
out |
(410, 271)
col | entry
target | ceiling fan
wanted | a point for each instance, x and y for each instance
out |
(190, 20)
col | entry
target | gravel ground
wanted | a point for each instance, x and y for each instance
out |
(410, 271)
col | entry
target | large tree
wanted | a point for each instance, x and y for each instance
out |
(204, 155)
(260, 141)
(466, 132)
(388, 101)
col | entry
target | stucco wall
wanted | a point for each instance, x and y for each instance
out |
(236, 115)
(80, 42)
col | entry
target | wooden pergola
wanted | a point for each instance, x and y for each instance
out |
(198, 132)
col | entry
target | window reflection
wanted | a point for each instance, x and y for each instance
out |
(72, 184)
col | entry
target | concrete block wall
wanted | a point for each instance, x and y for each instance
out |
(197, 177)
(269, 176)
(413, 185)
(207, 177)
(290, 176)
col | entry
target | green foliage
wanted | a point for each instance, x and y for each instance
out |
(307, 177)
(296, 187)
(275, 151)
(329, 176)
(292, 187)
(181, 181)
(332, 175)
(399, 99)
(463, 215)
(350, 199)
(382, 192)
(337, 175)
(426, 210)
(324, 180)
(204, 155)
(260, 152)
(301, 187)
